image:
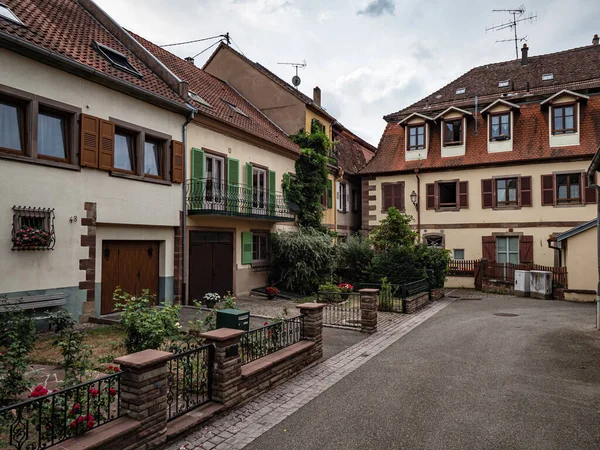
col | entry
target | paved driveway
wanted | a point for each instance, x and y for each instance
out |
(466, 379)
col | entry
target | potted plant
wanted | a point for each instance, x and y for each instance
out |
(272, 292)
(211, 299)
(345, 289)
(32, 238)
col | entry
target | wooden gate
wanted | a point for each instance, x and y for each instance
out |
(478, 274)
(211, 263)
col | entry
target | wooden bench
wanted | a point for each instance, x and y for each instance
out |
(34, 302)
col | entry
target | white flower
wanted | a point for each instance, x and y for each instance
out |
(178, 325)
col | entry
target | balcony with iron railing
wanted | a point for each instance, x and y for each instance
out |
(209, 196)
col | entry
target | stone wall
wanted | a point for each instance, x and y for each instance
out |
(414, 303)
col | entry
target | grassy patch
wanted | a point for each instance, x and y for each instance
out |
(106, 341)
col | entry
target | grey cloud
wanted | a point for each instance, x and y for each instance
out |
(378, 8)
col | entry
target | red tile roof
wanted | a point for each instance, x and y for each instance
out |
(217, 93)
(353, 152)
(576, 69)
(65, 28)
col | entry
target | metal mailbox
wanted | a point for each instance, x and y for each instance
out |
(233, 318)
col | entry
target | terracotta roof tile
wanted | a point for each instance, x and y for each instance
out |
(353, 152)
(219, 96)
(65, 28)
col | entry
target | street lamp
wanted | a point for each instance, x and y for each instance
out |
(413, 198)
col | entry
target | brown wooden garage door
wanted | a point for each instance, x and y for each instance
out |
(130, 265)
(211, 263)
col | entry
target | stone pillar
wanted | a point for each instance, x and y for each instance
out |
(312, 324)
(369, 301)
(144, 395)
(227, 371)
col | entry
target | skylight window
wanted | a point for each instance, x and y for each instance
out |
(199, 99)
(6, 13)
(504, 83)
(236, 109)
(117, 59)
(461, 90)
(547, 77)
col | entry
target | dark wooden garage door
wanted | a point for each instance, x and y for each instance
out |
(130, 265)
(211, 263)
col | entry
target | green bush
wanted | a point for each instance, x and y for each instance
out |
(393, 231)
(301, 260)
(436, 259)
(329, 292)
(354, 259)
(61, 320)
(147, 327)
(398, 264)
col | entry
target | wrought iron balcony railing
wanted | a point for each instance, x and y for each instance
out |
(213, 196)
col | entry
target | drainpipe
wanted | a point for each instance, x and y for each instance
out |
(418, 203)
(558, 249)
(184, 221)
(595, 186)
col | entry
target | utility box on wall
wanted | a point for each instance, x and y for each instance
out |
(540, 284)
(233, 318)
(522, 283)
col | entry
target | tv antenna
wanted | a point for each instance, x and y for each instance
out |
(518, 16)
(295, 79)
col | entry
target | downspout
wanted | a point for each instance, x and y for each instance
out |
(184, 220)
(558, 249)
(418, 205)
(595, 186)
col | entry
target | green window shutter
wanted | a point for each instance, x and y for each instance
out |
(247, 248)
(233, 180)
(329, 193)
(249, 188)
(196, 192)
(272, 192)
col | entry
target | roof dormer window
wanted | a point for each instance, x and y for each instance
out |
(503, 84)
(547, 77)
(461, 90)
(6, 13)
(119, 60)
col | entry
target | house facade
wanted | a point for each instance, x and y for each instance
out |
(493, 164)
(293, 111)
(236, 165)
(91, 159)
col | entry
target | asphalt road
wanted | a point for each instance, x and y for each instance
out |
(466, 379)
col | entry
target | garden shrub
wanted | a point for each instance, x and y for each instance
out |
(354, 259)
(17, 338)
(76, 354)
(329, 292)
(147, 327)
(61, 320)
(393, 231)
(436, 259)
(398, 264)
(301, 260)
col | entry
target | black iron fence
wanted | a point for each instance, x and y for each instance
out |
(342, 309)
(271, 338)
(50, 418)
(390, 296)
(213, 196)
(189, 382)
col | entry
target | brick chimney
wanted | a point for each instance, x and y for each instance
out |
(524, 52)
(595, 41)
(189, 59)
(317, 95)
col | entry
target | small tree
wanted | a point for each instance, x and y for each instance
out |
(354, 259)
(394, 231)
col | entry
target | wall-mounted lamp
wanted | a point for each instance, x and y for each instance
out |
(413, 198)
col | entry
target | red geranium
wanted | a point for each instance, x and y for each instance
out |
(272, 290)
(345, 287)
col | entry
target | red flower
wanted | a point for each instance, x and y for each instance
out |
(94, 392)
(38, 391)
(266, 323)
(79, 420)
(112, 392)
(73, 424)
(76, 408)
(90, 424)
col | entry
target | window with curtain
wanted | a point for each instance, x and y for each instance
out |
(507, 249)
(11, 127)
(124, 151)
(152, 160)
(260, 247)
(563, 119)
(500, 126)
(52, 136)
(568, 188)
(506, 192)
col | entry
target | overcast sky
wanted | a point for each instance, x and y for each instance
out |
(370, 57)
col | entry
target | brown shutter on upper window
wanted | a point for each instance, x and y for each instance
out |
(590, 193)
(399, 196)
(526, 191)
(107, 145)
(548, 190)
(488, 248)
(89, 147)
(177, 162)
(430, 195)
(388, 196)
(526, 249)
(487, 193)
(463, 194)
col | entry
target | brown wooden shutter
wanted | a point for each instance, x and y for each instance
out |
(463, 194)
(107, 145)
(526, 249)
(89, 147)
(526, 191)
(590, 193)
(488, 248)
(398, 201)
(487, 193)
(430, 195)
(388, 196)
(177, 162)
(548, 198)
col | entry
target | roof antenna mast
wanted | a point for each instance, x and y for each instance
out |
(517, 17)
(296, 79)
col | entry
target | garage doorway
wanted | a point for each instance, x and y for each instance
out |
(211, 263)
(130, 265)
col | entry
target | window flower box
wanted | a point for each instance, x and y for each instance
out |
(32, 239)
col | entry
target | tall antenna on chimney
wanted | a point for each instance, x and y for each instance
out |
(517, 17)
(296, 79)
